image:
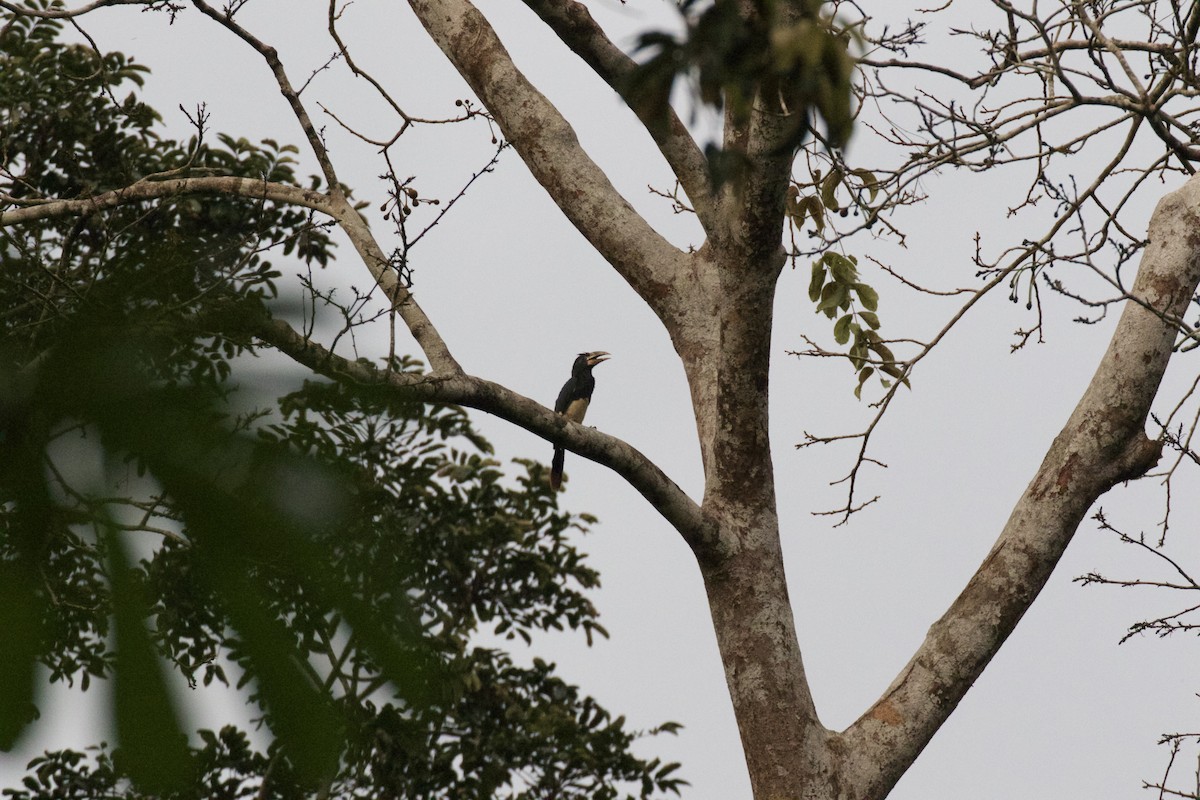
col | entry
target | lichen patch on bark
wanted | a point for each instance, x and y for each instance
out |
(886, 713)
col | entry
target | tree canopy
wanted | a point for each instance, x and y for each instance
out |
(335, 554)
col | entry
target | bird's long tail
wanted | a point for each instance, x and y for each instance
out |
(556, 468)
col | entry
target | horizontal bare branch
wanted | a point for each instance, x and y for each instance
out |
(350, 221)
(459, 388)
(67, 13)
(1023, 58)
(151, 189)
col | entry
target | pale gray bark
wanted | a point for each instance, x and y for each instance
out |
(549, 147)
(160, 188)
(1103, 443)
(573, 23)
(717, 311)
(716, 304)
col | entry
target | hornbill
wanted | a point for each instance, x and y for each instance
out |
(573, 401)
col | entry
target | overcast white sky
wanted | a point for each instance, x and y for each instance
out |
(1061, 712)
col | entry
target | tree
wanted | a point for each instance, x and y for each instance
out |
(777, 68)
(349, 614)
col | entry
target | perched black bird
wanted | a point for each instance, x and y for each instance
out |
(573, 402)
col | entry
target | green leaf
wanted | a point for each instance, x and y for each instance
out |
(817, 282)
(870, 182)
(858, 355)
(841, 329)
(810, 207)
(842, 268)
(867, 296)
(885, 352)
(300, 715)
(829, 189)
(832, 297)
(817, 211)
(870, 317)
(863, 374)
(896, 372)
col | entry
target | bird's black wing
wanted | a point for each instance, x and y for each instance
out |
(566, 395)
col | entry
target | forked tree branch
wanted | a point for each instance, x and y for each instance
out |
(347, 218)
(271, 56)
(549, 147)
(1103, 443)
(340, 208)
(574, 25)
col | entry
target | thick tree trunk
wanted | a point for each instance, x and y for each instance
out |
(788, 752)
(786, 746)
(723, 334)
(721, 327)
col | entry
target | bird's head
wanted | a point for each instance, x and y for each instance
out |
(585, 361)
(595, 357)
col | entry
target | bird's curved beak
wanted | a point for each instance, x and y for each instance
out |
(597, 357)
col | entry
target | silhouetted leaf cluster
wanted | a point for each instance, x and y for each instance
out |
(782, 53)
